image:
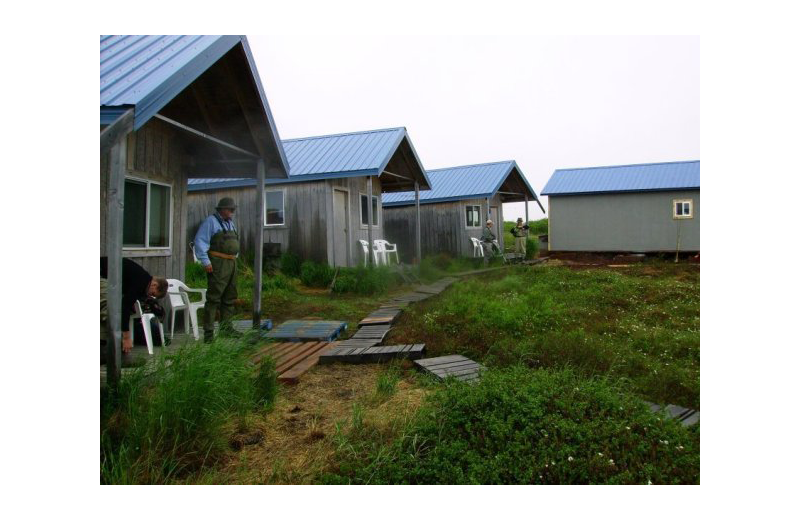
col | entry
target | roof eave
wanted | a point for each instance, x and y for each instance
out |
(605, 192)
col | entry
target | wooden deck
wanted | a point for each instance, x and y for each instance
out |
(306, 330)
(367, 336)
(292, 358)
(371, 354)
(455, 365)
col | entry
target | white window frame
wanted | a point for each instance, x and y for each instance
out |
(675, 215)
(378, 206)
(147, 246)
(283, 191)
(466, 222)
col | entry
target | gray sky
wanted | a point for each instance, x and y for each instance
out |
(546, 102)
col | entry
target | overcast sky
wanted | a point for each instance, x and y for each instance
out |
(546, 102)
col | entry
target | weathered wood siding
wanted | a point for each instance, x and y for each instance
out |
(308, 215)
(443, 228)
(155, 152)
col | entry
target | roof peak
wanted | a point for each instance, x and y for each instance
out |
(344, 133)
(627, 165)
(470, 165)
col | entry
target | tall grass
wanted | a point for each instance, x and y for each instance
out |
(167, 421)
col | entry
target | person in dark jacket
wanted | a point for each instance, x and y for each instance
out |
(137, 284)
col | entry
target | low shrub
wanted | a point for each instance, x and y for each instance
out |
(522, 426)
(195, 275)
(314, 274)
(290, 264)
(364, 280)
(531, 247)
(277, 283)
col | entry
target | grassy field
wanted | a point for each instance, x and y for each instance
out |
(571, 352)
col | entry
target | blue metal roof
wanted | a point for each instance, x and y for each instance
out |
(629, 177)
(351, 154)
(458, 183)
(146, 72)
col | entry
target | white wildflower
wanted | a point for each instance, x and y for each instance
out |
(611, 461)
(649, 482)
(570, 458)
(599, 454)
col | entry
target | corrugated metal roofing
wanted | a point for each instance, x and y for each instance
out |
(361, 152)
(327, 157)
(460, 182)
(629, 177)
(146, 72)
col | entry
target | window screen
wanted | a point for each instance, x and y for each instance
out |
(159, 216)
(274, 208)
(134, 217)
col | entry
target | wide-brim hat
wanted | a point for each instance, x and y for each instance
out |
(226, 203)
(519, 219)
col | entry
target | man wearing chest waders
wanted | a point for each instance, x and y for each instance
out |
(217, 246)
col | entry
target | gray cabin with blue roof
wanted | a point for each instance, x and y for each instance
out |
(321, 211)
(456, 208)
(643, 208)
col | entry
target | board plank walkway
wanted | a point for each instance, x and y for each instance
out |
(292, 358)
(383, 316)
(454, 365)
(685, 416)
(371, 354)
(305, 330)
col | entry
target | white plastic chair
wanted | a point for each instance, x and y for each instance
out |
(178, 293)
(387, 249)
(376, 253)
(177, 302)
(477, 248)
(148, 332)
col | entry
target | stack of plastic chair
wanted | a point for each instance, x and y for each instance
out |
(178, 293)
(386, 249)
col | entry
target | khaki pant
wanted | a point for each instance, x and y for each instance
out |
(520, 244)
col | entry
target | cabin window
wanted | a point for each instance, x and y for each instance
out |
(147, 218)
(682, 208)
(473, 216)
(274, 208)
(365, 210)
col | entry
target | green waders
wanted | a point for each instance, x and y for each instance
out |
(221, 292)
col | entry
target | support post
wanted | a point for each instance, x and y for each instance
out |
(488, 209)
(526, 210)
(258, 268)
(419, 231)
(115, 197)
(369, 220)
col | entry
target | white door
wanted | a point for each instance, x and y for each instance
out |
(340, 235)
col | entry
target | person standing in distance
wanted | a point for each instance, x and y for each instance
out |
(217, 247)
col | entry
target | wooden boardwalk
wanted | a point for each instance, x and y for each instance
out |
(455, 365)
(685, 416)
(383, 316)
(306, 330)
(371, 354)
(436, 287)
(292, 358)
(367, 336)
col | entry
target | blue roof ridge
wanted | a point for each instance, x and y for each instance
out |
(471, 165)
(344, 133)
(625, 165)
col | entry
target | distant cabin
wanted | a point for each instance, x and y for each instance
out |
(631, 208)
(456, 208)
(321, 211)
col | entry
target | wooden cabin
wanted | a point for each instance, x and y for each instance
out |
(456, 209)
(323, 209)
(171, 108)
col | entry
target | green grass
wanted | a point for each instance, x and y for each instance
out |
(641, 324)
(168, 422)
(520, 426)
